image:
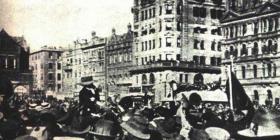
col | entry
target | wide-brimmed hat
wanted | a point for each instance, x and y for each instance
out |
(106, 128)
(32, 106)
(45, 105)
(168, 128)
(216, 133)
(137, 126)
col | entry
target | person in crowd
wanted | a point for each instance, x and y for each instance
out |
(106, 130)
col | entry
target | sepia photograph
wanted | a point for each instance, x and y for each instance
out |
(139, 70)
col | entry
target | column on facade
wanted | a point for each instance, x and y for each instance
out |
(249, 48)
(259, 47)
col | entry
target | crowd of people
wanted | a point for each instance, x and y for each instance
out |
(30, 118)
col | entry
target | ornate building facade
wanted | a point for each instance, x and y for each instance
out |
(251, 37)
(175, 40)
(14, 62)
(119, 62)
(46, 70)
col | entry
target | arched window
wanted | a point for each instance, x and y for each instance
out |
(244, 50)
(255, 50)
(255, 71)
(264, 49)
(152, 78)
(144, 79)
(198, 79)
(231, 49)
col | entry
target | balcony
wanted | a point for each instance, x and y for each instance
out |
(260, 57)
(174, 66)
(67, 67)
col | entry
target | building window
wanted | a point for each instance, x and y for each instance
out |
(244, 50)
(168, 26)
(160, 10)
(150, 44)
(186, 78)
(169, 9)
(199, 12)
(59, 66)
(50, 76)
(269, 69)
(213, 46)
(243, 72)
(154, 44)
(50, 55)
(178, 41)
(255, 49)
(256, 95)
(168, 41)
(213, 61)
(181, 78)
(144, 79)
(58, 76)
(256, 28)
(159, 42)
(195, 45)
(202, 60)
(50, 66)
(244, 31)
(255, 71)
(152, 78)
(202, 45)
(275, 70)
(196, 59)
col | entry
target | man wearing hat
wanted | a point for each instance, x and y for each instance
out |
(106, 130)
(137, 128)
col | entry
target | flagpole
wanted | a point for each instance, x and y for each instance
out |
(230, 82)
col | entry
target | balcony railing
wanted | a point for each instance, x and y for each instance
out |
(251, 58)
(175, 65)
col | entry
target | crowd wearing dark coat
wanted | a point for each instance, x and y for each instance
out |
(88, 118)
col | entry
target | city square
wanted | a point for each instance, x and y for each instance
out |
(158, 70)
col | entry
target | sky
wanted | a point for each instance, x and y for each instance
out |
(60, 22)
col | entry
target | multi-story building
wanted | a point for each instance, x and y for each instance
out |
(46, 70)
(14, 62)
(85, 61)
(175, 40)
(251, 32)
(119, 62)
(94, 62)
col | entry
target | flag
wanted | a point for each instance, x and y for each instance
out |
(241, 101)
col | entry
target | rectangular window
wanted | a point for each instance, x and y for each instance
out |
(154, 12)
(168, 26)
(202, 45)
(59, 66)
(146, 45)
(195, 44)
(154, 44)
(50, 76)
(150, 44)
(146, 14)
(202, 60)
(181, 78)
(169, 9)
(50, 66)
(186, 78)
(160, 57)
(159, 42)
(142, 46)
(150, 13)
(50, 55)
(168, 41)
(58, 87)
(142, 15)
(178, 41)
(243, 72)
(58, 76)
(160, 10)
(196, 59)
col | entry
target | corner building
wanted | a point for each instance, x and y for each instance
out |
(175, 40)
(251, 31)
